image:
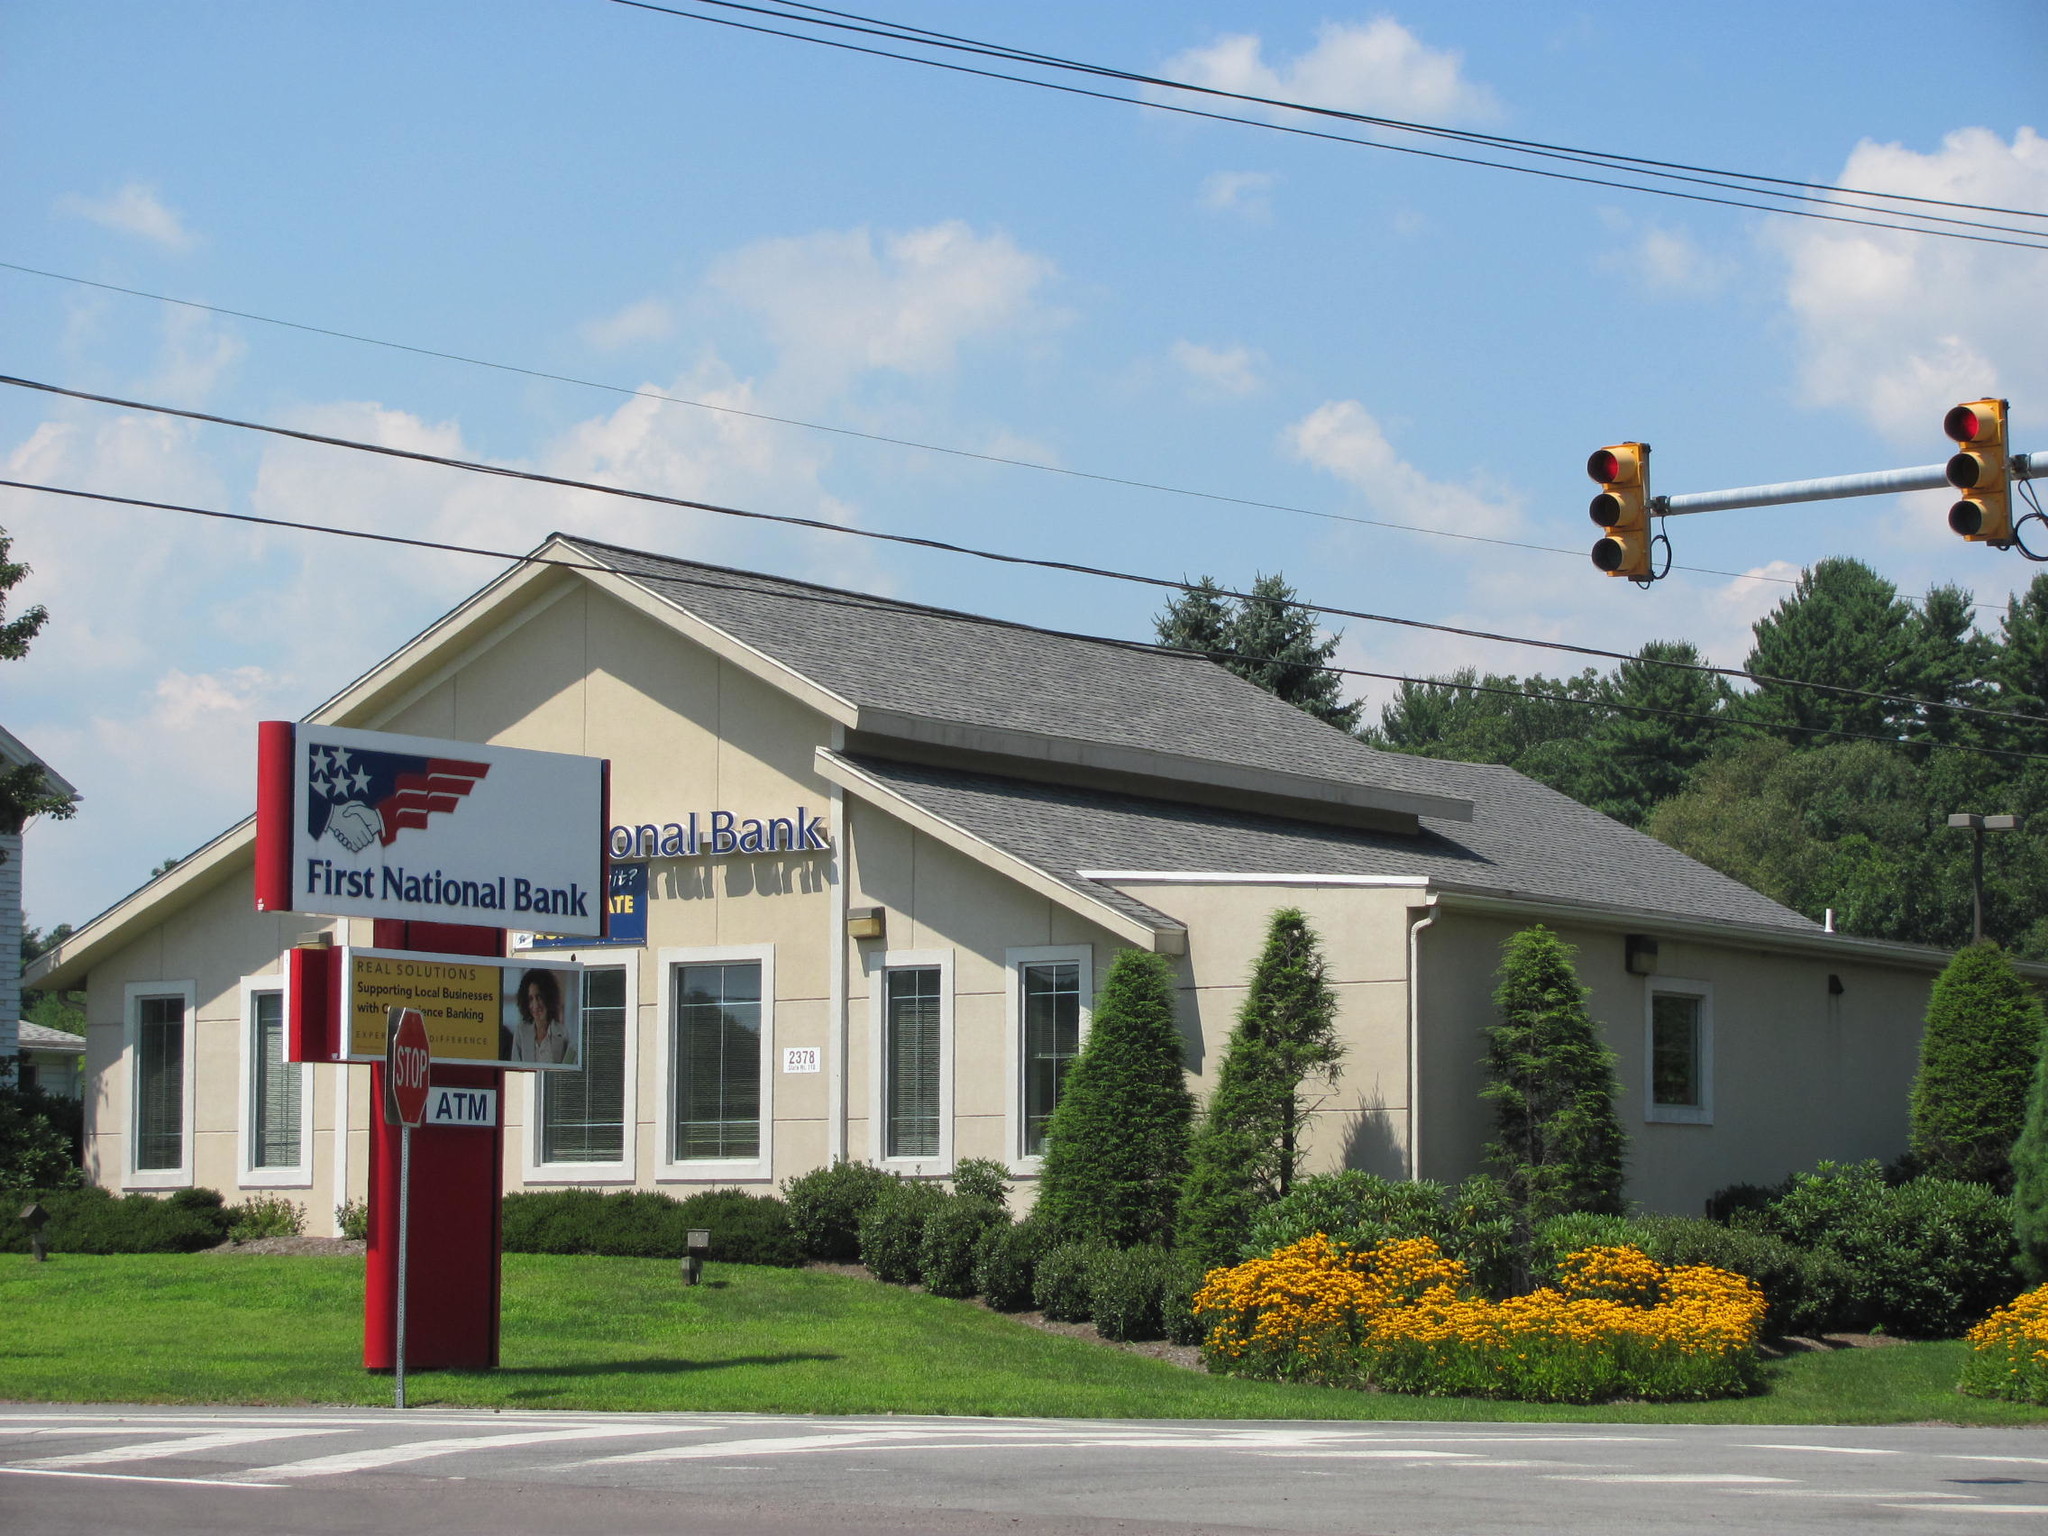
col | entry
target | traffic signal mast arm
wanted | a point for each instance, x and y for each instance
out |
(1878, 482)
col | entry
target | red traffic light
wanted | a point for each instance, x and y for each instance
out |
(1963, 424)
(1604, 466)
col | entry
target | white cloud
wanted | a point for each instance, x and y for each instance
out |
(1377, 66)
(1666, 261)
(648, 320)
(1240, 192)
(1899, 327)
(1221, 371)
(844, 301)
(134, 210)
(1342, 438)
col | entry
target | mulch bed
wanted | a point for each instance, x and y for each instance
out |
(310, 1245)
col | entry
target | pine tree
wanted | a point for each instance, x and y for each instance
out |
(1666, 722)
(2030, 1179)
(1977, 1065)
(1116, 1149)
(1843, 625)
(1247, 1150)
(1560, 1146)
(1265, 638)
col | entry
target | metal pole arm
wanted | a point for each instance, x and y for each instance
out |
(1877, 482)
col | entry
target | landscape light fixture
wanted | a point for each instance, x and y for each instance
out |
(698, 1244)
(33, 1216)
(1978, 826)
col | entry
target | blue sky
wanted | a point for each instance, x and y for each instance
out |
(582, 188)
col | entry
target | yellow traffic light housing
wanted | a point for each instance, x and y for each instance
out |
(1982, 471)
(1623, 509)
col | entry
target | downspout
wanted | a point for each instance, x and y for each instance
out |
(1415, 1038)
(835, 1084)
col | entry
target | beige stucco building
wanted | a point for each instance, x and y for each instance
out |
(1001, 810)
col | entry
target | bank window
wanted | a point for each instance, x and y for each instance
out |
(717, 1056)
(911, 1048)
(1050, 998)
(583, 1113)
(275, 1135)
(1679, 1052)
(159, 1084)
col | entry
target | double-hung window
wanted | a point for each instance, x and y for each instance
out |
(583, 1113)
(1679, 1053)
(275, 1134)
(715, 1049)
(1050, 993)
(911, 1008)
(159, 1030)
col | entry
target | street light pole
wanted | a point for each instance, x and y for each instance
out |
(1978, 826)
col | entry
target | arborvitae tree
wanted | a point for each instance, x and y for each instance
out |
(1977, 1065)
(1247, 1150)
(2030, 1179)
(1265, 639)
(1116, 1148)
(1560, 1146)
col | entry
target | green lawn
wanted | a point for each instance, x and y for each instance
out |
(625, 1334)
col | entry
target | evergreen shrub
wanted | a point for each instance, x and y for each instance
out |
(2030, 1180)
(1060, 1285)
(982, 1178)
(952, 1240)
(1178, 1319)
(39, 1139)
(892, 1231)
(1116, 1148)
(1006, 1261)
(88, 1219)
(1127, 1291)
(826, 1206)
(265, 1216)
(1977, 1064)
(645, 1224)
(1473, 1222)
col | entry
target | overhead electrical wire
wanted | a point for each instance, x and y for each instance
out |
(856, 601)
(944, 546)
(1128, 482)
(1339, 138)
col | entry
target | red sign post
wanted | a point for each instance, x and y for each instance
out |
(405, 1083)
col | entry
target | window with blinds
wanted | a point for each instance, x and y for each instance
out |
(274, 1138)
(583, 1114)
(160, 1083)
(910, 1057)
(717, 1054)
(1051, 999)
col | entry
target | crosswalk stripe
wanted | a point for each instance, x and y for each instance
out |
(422, 1450)
(189, 1445)
(1665, 1477)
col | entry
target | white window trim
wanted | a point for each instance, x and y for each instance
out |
(300, 1174)
(1677, 1114)
(533, 1169)
(713, 1170)
(1014, 960)
(132, 995)
(877, 968)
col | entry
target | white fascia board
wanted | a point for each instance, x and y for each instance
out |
(1212, 877)
(18, 752)
(837, 770)
(1815, 942)
(1154, 763)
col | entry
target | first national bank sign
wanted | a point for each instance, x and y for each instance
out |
(369, 824)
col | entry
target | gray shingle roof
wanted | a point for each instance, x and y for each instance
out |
(879, 653)
(1524, 840)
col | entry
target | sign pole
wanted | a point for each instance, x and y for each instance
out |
(404, 1233)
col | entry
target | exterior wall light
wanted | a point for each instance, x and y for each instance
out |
(865, 923)
(1641, 950)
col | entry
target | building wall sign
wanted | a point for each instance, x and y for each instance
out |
(625, 914)
(715, 834)
(370, 824)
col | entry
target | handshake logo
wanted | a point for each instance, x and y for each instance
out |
(359, 798)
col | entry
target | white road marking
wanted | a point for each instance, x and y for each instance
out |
(422, 1450)
(1984, 1509)
(1834, 1450)
(1667, 1477)
(123, 1477)
(1832, 1493)
(2032, 1461)
(158, 1450)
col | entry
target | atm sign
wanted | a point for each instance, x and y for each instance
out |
(463, 1106)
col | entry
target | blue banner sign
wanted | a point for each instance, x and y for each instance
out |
(626, 900)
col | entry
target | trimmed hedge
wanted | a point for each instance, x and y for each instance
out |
(1473, 1222)
(90, 1220)
(826, 1206)
(952, 1240)
(892, 1231)
(1060, 1286)
(643, 1224)
(1127, 1289)
(1006, 1261)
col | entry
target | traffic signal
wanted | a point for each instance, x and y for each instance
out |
(1982, 471)
(1623, 509)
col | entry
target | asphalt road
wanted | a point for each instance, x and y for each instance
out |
(324, 1472)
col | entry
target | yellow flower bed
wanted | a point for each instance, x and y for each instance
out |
(1402, 1317)
(2009, 1351)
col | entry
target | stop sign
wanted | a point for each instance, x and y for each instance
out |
(405, 1065)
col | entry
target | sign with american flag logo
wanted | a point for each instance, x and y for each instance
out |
(369, 824)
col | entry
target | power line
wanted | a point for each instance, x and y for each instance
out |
(873, 437)
(907, 33)
(1338, 138)
(856, 601)
(1665, 169)
(997, 556)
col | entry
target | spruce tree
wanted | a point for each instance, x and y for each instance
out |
(2030, 1179)
(1116, 1148)
(1248, 1148)
(1198, 620)
(1265, 638)
(1560, 1146)
(1977, 1065)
